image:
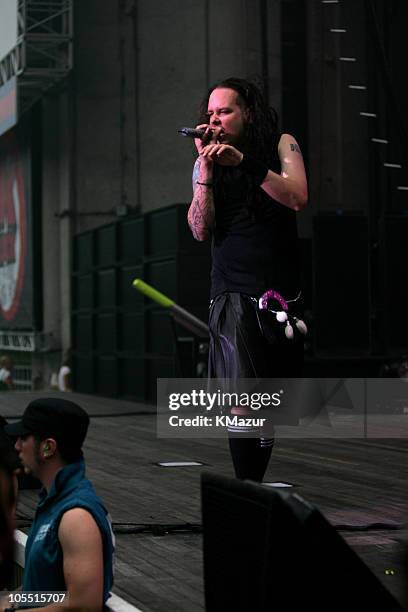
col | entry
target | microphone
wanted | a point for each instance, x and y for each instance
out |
(193, 133)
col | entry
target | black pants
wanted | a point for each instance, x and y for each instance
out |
(239, 347)
(244, 344)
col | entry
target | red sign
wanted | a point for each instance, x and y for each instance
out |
(8, 105)
(13, 227)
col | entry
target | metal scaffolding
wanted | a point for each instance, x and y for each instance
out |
(42, 56)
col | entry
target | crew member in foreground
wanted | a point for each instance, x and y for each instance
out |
(8, 489)
(70, 545)
(249, 182)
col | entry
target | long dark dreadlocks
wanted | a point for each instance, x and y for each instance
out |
(261, 131)
(261, 134)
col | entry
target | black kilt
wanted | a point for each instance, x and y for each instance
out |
(238, 342)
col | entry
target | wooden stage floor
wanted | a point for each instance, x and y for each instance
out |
(351, 481)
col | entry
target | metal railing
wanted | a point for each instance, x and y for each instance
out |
(22, 378)
(43, 54)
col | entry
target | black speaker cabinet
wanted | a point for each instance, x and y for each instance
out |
(341, 300)
(395, 259)
(294, 559)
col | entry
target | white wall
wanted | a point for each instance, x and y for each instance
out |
(8, 26)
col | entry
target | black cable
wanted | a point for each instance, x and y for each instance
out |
(156, 529)
(370, 527)
(197, 527)
(123, 414)
(101, 415)
(161, 529)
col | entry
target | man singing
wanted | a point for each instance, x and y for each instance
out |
(249, 182)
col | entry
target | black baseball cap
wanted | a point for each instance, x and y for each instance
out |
(53, 417)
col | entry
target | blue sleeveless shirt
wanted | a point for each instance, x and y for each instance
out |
(43, 556)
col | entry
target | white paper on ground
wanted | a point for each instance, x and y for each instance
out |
(178, 463)
(278, 485)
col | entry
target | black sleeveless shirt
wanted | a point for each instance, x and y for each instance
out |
(255, 243)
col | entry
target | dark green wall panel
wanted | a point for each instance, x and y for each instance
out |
(132, 332)
(129, 298)
(84, 373)
(121, 340)
(107, 376)
(83, 332)
(132, 378)
(83, 252)
(159, 332)
(131, 240)
(84, 292)
(106, 245)
(105, 332)
(106, 288)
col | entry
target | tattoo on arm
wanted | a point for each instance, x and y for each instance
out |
(196, 172)
(201, 216)
(295, 147)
